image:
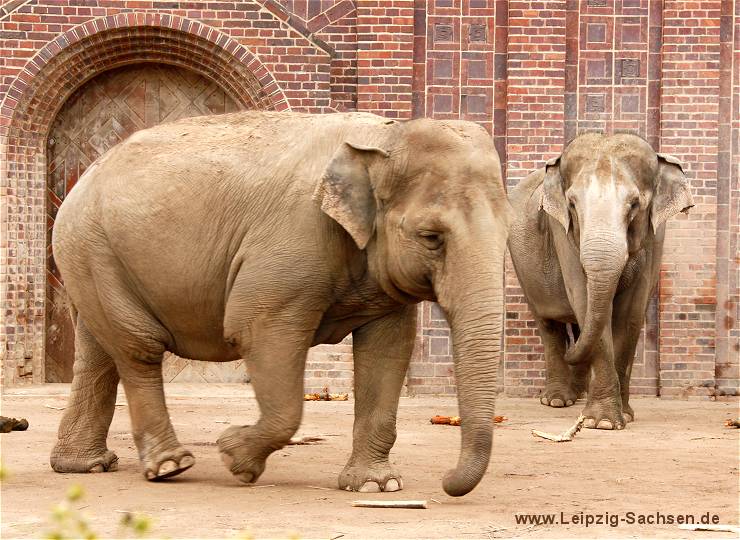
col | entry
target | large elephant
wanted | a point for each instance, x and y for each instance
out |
(257, 235)
(586, 243)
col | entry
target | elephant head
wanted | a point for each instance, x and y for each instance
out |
(425, 199)
(612, 195)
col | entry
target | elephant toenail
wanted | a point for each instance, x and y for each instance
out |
(97, 468)
(150, 475)
(187, 461)
(348, 488)
(569, 403)
(370, 487)
(628, 417)
(589, 423)
(247, 477)
(167, 467)
(544, 401)
(392, 485)
(557, 402)
(605, 424)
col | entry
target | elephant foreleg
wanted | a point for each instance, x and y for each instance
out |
(84, 428)
(628, 319)
(382, 351)
(604, 404)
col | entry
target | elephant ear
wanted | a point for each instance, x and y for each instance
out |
(346, 191)
(553, 195)
(672, 193)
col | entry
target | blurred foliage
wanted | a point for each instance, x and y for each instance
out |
(69, 523)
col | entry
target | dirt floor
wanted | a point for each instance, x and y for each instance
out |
(677, 459)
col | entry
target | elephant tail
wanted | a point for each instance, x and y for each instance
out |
(72, 312)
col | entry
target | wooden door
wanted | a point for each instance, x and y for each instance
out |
(99, 115)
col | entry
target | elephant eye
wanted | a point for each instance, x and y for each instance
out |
(430, 239)
(634, 206)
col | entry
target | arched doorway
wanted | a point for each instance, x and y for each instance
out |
(98, 115)
(31, 104)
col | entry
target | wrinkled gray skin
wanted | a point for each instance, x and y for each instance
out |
(258, 235)
(586, 243)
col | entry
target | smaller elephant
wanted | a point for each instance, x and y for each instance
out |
(586, 243)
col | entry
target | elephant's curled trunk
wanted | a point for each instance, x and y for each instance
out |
(603, 256)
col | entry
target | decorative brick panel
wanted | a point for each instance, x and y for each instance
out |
(456, 47)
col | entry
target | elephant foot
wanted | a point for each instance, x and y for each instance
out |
(66, 461)
(370, 478)
(167, 464)
(239, 455)
(603, 416)
(628, 413)
(557, 396)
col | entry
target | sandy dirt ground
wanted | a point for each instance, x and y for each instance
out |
(677, 459)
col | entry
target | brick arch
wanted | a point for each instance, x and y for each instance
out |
(109, 42)
(28, 112)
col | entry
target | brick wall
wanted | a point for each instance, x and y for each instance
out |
(333, 23)
(533, 72)
(689, 130)
(385, 51)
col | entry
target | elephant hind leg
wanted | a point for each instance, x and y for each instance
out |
(276, 362)
(160, 452)
(559, 390)
(81, 446)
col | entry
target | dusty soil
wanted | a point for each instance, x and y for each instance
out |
(678, 458)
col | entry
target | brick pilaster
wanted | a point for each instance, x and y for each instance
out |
(689, 119)
(385, 37)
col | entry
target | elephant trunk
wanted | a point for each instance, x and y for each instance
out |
(603, 256)
(472, 298)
